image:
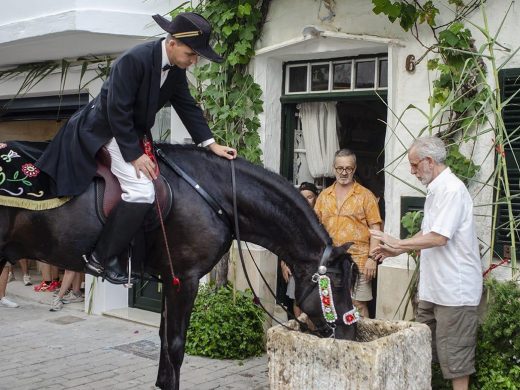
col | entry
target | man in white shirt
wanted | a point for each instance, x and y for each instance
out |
(450, 284)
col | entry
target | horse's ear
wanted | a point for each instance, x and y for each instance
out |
(339, 252)
(346, 246)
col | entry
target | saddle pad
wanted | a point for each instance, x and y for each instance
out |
(22, 184)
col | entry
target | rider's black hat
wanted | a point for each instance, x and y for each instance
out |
(193, 30)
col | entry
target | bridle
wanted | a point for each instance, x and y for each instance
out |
(322, 282)
(329, 326)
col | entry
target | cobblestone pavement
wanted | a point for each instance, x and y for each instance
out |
(72, 350)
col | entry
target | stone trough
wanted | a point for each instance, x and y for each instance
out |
(387, 355)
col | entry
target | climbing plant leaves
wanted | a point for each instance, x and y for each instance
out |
(227, 92)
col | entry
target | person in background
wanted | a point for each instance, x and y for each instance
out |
(70, 290)
(450, 281)
(310, 193)
(50, 278)
(24, 265)
(4, 302)
(348, 210)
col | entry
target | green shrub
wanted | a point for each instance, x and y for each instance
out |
(498, 348)
(498, 343)
(225, 324)
(438, 381)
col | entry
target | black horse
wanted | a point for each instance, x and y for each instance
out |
(271, 213)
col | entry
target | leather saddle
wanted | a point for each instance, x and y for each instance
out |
(108, 193)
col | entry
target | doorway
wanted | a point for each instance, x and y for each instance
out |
(361, 127)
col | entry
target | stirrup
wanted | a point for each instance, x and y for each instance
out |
(129, 284)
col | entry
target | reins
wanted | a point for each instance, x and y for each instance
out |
(202, 192)
(241, 255)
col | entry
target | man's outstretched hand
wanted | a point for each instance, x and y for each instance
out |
(387, 245)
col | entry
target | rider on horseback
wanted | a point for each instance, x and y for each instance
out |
(141, 81)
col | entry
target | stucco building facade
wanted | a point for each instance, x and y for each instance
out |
(310, 51)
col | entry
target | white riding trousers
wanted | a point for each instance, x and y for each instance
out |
(137, 190)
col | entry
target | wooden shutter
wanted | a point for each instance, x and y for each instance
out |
(510, 84)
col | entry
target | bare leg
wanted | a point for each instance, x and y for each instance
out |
(9, 269)
(362, 306)
(3, 281)
(4, 276)
(24, 265)
(46, 272)
(76, 283)
(55, 272)
(68, 279)
(461, 383)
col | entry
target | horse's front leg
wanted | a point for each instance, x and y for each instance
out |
(164, 360)
(177, 307)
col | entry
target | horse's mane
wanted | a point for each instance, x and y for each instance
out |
(191, 154)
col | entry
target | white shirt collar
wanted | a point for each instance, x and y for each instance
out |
(440, 177)
(165, 60)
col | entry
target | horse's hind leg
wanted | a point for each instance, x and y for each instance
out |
(177, 309)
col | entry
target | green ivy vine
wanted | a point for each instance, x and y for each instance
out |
(461, 72)
(227, 92)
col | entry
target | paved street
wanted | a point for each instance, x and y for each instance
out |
(72, 350)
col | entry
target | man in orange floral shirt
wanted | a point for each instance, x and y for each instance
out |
(348, 210)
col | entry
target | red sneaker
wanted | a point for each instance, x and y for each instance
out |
(41, 287)
(55, 285)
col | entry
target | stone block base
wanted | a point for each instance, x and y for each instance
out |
(387, 355)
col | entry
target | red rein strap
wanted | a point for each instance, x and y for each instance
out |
(175, 280)
(493, 266)
(148, 150)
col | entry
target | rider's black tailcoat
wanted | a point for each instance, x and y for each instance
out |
(124, 109)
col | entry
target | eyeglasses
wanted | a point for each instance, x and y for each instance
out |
(416, 165)
(340, 170)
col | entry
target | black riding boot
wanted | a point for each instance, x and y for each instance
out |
(122, 224)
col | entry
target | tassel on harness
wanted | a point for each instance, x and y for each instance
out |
(149, 151)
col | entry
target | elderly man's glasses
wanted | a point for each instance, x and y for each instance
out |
(340, 170)
(415, 165)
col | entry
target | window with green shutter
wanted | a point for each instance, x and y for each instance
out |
(510, 84)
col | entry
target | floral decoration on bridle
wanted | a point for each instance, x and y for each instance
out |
(326, 298)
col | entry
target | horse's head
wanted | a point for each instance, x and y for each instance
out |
(326, 297)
